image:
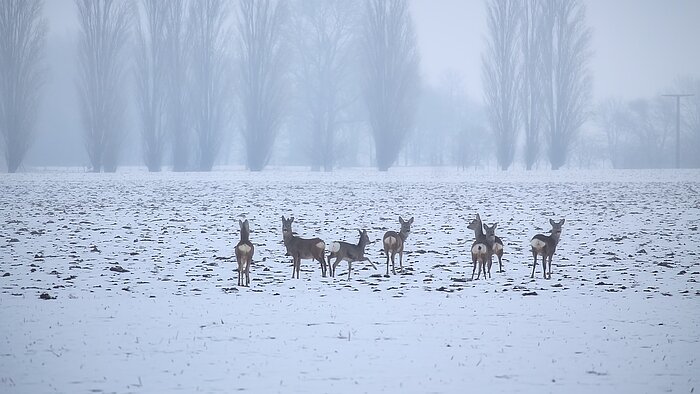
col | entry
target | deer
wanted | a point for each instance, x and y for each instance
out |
(545, 246)
(480, 249)
(394, 242)
(244, 254)
(496, 246)
(302, 248)
(349, 252)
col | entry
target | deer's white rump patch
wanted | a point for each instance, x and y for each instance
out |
(244, 249)
(390, 241)
(334, 247)
(321, 245)
(537, 244)
(479, 249)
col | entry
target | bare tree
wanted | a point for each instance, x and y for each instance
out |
(22, 40)
(177, 121)
(391, 76)
(151, 79)
(531, 110)
(324, 32)
(613, 117)
(500, 75)
(639, 132)
(566, 40)
(441, 124)
(104, 32)
(263, 76)
(211, 81)
(653, 128)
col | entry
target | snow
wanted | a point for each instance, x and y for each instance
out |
(621, 312)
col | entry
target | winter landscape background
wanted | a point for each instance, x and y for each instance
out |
(137, 133)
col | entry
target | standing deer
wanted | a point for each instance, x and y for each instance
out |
(393, 243)
(496, 246)
(545, 246)
(349, 252)
(244, 254)
(302, 248)
(480, 250)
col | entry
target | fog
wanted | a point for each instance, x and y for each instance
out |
(638, 50)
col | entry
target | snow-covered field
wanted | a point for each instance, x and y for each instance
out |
(143, 294)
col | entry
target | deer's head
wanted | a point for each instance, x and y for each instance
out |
(406, 225)
(556, 226)
(364, 238)
(287, 226)
(245, 227)
(475, 224)
(490, 231)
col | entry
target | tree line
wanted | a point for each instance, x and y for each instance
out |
(328, 73)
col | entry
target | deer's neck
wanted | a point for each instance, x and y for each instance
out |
(245, 236)
(403, 234)
(555, 236)
(479, 234)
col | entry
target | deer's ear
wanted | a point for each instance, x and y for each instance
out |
(562, 222)
(410, 221)
(283, 219)
(552, 222)
(291, 220)
(359, 231)
(400, 220)
(240, 223)
(478, 217)
(247, 225)
(495, 225)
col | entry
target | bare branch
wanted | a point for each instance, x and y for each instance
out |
(22, 41)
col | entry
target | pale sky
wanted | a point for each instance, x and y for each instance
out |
(640, 46)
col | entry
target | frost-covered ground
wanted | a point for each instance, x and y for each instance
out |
(620, 314)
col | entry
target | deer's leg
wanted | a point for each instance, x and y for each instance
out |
(349, 269)
(326, 266)
(550, 266)
(294, 266)
(322, 260)
(393, 262)
(370, 261)
(534, 264)
(490, 262)
(238, 271)
(401, 260)
(247, 273)
(544, 266)
(387, 262)
(500, 263)
(335, 264)
(474, 267)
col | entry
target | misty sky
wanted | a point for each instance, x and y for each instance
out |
(640, 46)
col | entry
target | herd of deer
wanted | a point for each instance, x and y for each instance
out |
(485, 245)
